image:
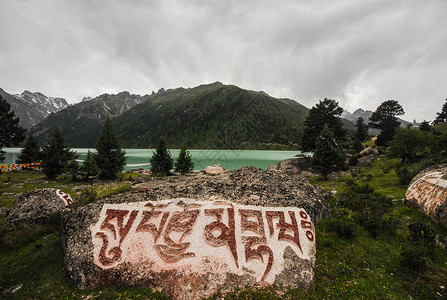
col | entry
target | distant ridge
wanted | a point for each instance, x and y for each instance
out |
(32, 108)
(80, 123)
(207, 116)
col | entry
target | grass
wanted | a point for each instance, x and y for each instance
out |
(351, 263)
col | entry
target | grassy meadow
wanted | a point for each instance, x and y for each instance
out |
(373, 247)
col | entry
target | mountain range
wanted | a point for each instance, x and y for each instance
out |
(365, 115)
(208, 116)
(213, 115)
(33, 108)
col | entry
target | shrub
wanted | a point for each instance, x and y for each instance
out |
(353, 160)
(342, 225)
(412, 259)
(368, 205)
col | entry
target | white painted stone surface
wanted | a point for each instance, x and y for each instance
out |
(201, 237)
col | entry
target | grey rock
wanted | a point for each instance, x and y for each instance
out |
(369, 151)
(297, 165)
(4, 211)
(365, 161)
(248, 186)
(35, 208)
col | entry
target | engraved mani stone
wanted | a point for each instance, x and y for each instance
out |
(177, 241)
(195, 237)
(428, 192)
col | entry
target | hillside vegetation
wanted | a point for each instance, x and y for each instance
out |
(212, 116)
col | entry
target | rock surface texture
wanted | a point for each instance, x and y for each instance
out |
(428, 192)
(199, 234)
(35, 207)
(295, 165)
(214, 169)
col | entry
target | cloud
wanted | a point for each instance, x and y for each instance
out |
(358, 52)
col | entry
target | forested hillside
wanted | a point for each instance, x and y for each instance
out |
(213, 116)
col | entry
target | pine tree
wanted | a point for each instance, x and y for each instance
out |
(357, 146)
(327, 155)
(361, 133)
(110, 158)
(184, 163)
(89, 167)
(10, 131)
(56, 155)
(326, 112)
(30, 152)
(385, 119)
(161, 161)
(425, 126)
(73, 169)
(442, 116)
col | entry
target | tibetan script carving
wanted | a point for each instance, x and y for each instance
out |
(202, 236)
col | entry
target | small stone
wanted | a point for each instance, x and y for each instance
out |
(13, 289)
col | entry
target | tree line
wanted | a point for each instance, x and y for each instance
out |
(323, 134)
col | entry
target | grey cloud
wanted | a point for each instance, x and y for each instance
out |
(358, 52)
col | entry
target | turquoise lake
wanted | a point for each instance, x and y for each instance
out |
(229, 159)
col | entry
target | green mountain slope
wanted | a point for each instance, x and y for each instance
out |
(213, 116)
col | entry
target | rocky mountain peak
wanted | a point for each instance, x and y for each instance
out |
(32, 108)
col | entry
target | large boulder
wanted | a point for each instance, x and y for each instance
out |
(428, 192)
(369, 151)
(367, 160)
(296, 165)
(214, 169)
(36, 207)
(198, 236)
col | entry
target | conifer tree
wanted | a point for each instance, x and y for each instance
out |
(89, 167)
(327, 155)
(442, 116)
(56, 155)
(184, 163)
(326, 112)
(10, 131)
(30, 153)
(110, 158)
(161, 161)
(361, 133)
(385, 119)
(425, 126)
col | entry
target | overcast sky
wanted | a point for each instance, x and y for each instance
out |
(360, 53)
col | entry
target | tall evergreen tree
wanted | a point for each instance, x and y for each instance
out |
(89, 167)
(425, 126)
(10, 131)
(442, 116)
(184, 163)
(328, 157)
(326, 112)
(30, 153)
(161, 161)
(56, 155)
(110, 158)
(361, 133)
(385, 119)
